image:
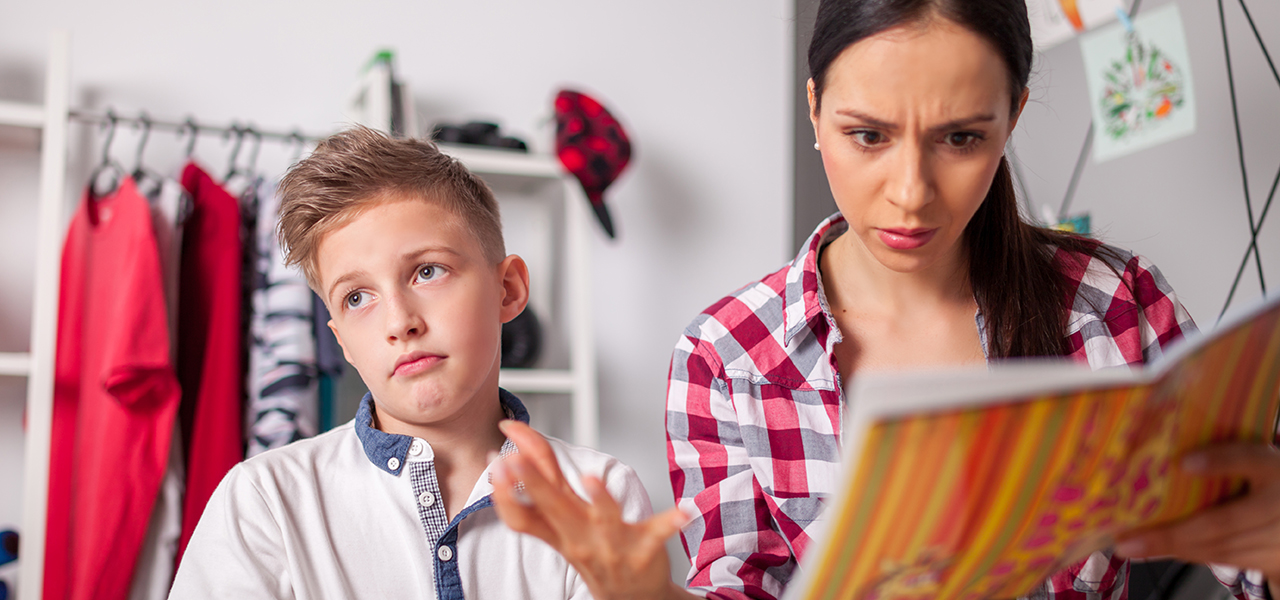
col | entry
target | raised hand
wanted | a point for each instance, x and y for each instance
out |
(616, 559)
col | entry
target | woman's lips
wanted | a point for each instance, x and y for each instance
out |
(418, 365)
(906, 239)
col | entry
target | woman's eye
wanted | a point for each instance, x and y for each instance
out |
(868, 138)
(960, 139)
(355, 299)
(428, 272)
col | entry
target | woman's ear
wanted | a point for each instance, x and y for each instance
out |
(813, 109)
(1022, 103)
(515, 287)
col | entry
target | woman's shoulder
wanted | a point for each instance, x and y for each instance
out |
(1121, 308)
(761, 300)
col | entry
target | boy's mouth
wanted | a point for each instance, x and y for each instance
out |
(415, 362)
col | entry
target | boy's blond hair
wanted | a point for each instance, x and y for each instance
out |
(355, 169)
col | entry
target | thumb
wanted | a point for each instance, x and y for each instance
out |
(1257, 462)
(665, 524)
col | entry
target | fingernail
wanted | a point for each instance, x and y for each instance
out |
(491, 456)
(1195, 462)
(1130, 548)
(503, 425)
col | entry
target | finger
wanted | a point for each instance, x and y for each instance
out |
(667, 523)
(533, 445)
(562, 509)
(603, 505)
(1258, 462)
(1254, 549)
(517, 515)
(1207, 529)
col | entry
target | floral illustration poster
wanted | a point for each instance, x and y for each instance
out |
(1140, 88)
(1056, 21)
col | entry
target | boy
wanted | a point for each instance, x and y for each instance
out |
(405, 247)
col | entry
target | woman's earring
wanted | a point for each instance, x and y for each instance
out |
(816, 147)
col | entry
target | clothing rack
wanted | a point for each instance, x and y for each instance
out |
(189, 126)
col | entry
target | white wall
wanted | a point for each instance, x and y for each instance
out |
(1181, 203)
(701, 85)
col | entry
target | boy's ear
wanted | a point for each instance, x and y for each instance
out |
(338, 336)
(515, 286)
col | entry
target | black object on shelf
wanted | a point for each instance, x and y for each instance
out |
(521, 340)
(476, 133)
(8, 546)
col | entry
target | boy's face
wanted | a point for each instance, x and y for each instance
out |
(418, 310)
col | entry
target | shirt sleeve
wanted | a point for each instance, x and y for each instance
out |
(736, 550)
(237, 549)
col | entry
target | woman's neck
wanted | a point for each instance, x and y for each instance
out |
(853, 277)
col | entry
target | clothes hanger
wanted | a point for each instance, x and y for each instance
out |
(189, 127)
(238, 132)
(300, 144)
(107, 166)
(140, 172)
(252, 168)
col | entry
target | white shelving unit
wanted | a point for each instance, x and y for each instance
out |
(503, 169)
(37, 365)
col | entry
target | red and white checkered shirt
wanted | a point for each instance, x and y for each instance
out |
(754, 405)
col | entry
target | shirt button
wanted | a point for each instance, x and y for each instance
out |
(416, 447)
(445, 553)
(393, 463)
(426, 499)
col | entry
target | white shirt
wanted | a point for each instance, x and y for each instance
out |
(320, 518)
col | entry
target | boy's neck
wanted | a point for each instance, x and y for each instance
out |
(461, 446)
(467, 437)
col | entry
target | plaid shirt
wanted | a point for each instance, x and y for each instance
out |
(754, 417)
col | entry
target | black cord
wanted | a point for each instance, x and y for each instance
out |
(1244, 174)
(1084, 149)
(1075, 173)
(1261, 44)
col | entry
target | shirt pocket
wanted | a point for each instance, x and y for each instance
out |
(791, 435)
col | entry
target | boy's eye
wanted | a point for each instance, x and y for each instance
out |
(354, 299)
(428, 272)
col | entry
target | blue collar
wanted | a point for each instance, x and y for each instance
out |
(381, 446)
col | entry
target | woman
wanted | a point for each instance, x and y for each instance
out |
(927, 264)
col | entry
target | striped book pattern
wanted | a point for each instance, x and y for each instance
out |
(987, 503)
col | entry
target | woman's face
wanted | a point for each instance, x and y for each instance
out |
(912, 126)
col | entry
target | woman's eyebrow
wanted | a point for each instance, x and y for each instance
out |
(949, 125)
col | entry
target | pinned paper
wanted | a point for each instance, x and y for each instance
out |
(1140, 88)
(1056, 21)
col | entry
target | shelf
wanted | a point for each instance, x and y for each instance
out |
(543, 381)
(15, 363)
(487, 161)
(22, 115)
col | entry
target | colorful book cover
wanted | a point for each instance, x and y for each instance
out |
(982, 485)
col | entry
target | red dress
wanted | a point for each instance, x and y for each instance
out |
(115, 398)
(209, 347)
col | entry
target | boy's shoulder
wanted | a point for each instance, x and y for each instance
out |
(621, 480)
(337, 449)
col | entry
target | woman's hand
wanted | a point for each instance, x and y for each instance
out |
(1244, 532)
(616, 559)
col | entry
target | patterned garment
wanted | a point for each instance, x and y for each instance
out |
(754, 418)
(282, 379)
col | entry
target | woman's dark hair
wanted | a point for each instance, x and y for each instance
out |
(1015, 283)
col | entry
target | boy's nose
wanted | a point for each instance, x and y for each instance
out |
(404, 321)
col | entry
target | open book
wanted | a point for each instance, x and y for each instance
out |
(982, 484)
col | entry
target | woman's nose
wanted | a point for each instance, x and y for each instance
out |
(910, 186)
